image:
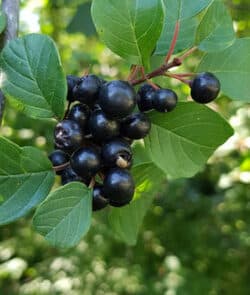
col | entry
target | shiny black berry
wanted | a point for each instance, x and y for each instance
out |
(98, 201)
(136, 126)
(117, 99)
(145, 98)
(118, 187)
(71, 82)
(79, 113)
(117, 152)
(68, 175)
(205, 88)
(68, 135)
(101, 127)
(165, 100)
(87, 89)
(86, 162)
(58, 158)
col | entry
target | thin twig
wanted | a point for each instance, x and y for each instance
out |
(173, 42)
(61, 167)
(187, 53)
(177, 77)
(176, 62)
(158, 72)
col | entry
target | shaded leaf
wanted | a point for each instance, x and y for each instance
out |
(32, 76)
(232, 67)
(26, 178)
(126, 221)
(183, 11)
(215, 31)
(2, 21)
(65, 216)
(181, 142)
(129, 28)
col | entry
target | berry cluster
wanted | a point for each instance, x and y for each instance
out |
(93, 141)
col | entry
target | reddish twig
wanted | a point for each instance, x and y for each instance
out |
(92, 183)
(164, 68)
(173, 42)
(61, 167)
(132, 72)
(158, 72)
(186, 74)
(188, 53)
(178, 77)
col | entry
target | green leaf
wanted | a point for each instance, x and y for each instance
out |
(183, 11)
(186, 37)
(126, 221)
(181, 142)
(215, 31)
(129, 28)
(2, 21)
(65, 216)
(26, 178)
(82, 21)
(184, 8)
(32, 76)
(232, 67)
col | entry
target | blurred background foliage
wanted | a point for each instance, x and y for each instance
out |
(196, 236)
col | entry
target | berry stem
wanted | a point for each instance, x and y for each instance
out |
(176, 62)
(188, 53)
(186, 74)
(67, 110)
(173, 42)
(92, 183)
(157, 72)
(122, 163)
(133, 72)
(178, 77)
(61, 167)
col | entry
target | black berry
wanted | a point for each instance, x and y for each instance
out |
(118, 187)
(165, 100)
(101, 127)
(86, 162)
(136, 126)
(117, 99)
(117, 152)
(68, 135)
(145, 97)
(68, 175)
(58, 158)
(79, 113)
(98, 202)
(205, 88)
(71, 82)
(87, 89)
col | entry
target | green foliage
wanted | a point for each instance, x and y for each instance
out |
(33, 76)
(186, 36)
(184, 12)
(195, 238)
(215, 31)
(126, 221)
(129, 28)
(26, 178)
(182, 144)
(65, 216)
(232, 67)
(2, 21)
